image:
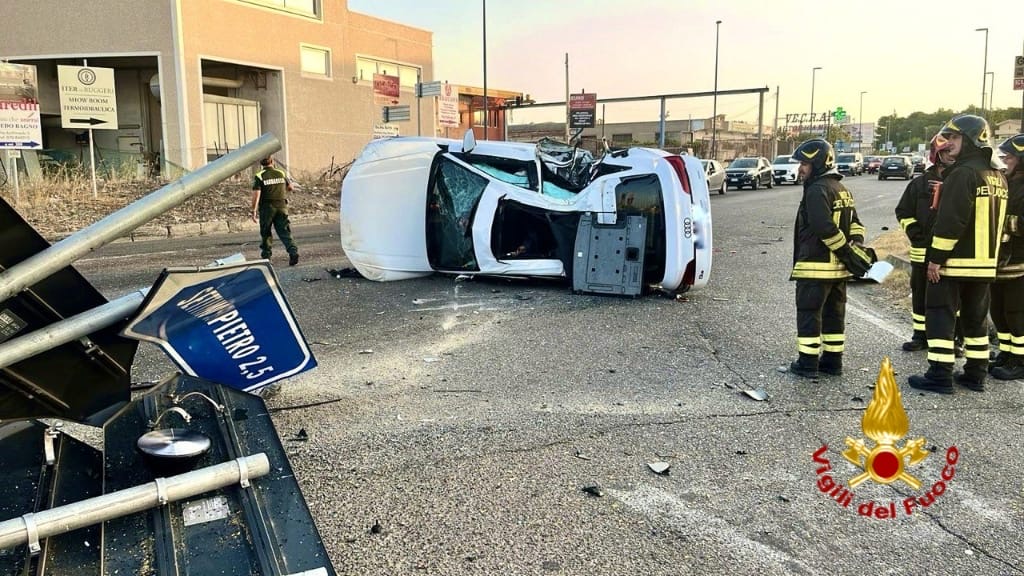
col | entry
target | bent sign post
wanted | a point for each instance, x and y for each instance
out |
(230, 324)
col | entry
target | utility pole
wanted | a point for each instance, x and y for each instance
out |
(566, 97)
(485, 68)
(775, 126)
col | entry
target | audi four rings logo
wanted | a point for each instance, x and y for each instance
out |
(687, 228)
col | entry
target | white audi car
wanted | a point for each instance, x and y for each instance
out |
(413, 206)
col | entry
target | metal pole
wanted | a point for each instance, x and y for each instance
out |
(984, 73)
(419, 98)
(714, 106)
(775, 126)
(604, 121)
(486, 120)
(992, 89)
(860, 118)
(566, 97)
(41, 265)
(14, 176)
(760, 124)
(63, 519)
(813, 78)
(69, 329)
(661, 126)
(92, 154)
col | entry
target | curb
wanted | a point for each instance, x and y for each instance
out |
(898, 262)
(212, 227)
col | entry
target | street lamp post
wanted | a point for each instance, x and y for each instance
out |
(991, 88)
(484, 2)
(984, 73)
(813, 72)
(714, 105)
(860, 118)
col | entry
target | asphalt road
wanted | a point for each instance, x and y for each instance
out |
(463, 419)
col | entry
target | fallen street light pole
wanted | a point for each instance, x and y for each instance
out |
(35, 268)
(31, 528)
(69, 329)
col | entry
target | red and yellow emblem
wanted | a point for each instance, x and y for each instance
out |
(885, 421)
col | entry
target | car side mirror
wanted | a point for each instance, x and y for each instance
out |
(468, 142)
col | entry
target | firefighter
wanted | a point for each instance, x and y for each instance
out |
(916, 215)
(827, 252)
(962, 255)
(1008, 289)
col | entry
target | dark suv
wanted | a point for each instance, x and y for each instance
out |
(896, 167)
(752, 171)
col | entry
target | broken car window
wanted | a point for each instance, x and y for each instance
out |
(451, 203)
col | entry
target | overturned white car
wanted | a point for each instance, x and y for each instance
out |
(414, 206)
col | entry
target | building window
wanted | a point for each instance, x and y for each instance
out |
(315, 61)
(492, 118)
(367, 66)
(303, 7)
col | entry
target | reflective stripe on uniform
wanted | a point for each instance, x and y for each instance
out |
(918, 321)
(836, 241)
(906, 222)
(856, 229)
(944, 358)
(945, 244)
(918, 254)
(808, 345)
(833, 342)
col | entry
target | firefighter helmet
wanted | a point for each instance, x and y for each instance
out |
(974, 130)
(1013, 146)
(819, 154)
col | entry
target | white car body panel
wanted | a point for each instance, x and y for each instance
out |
(384, 202)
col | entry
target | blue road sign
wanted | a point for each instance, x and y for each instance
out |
(229, 324)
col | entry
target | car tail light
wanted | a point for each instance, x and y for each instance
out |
(679, 166)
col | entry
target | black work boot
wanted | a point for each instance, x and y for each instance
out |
(999, 360)
(806, 366)
(831, 363)
(915, 345)
(293, 259)
(1011, 369)
(936, 379)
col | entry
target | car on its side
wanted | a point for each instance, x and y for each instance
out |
(715, 174)
(872, 164)
(413, 206)
(752, 171)
(850, 163)
(896, 167)
(785, 170)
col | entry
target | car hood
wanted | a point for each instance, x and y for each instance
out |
(740, 170)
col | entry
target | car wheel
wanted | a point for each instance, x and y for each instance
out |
(880, 177)
(722, 189)
(756, 184)
(771, 183)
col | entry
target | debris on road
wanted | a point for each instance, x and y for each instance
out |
(660, 468)
(759, 394)
(594, 490)
(343, 272)
(367, 351)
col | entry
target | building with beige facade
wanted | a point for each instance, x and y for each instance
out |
(197, 78)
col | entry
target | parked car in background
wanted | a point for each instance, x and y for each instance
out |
(715, 173)
(751, 171)
(850, 163)
(872, 164)
(785, 170)
(918, 162)
(413, 206)
(896, 167)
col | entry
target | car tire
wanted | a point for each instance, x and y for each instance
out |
(880, 177)
(756, 184)
(722, 189)
(771, 183)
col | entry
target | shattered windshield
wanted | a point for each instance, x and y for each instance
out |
(451, 203)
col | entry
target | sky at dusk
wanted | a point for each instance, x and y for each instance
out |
(907, 55)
